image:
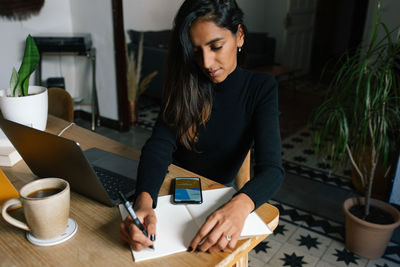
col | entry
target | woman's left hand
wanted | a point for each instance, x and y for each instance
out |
(222, 228)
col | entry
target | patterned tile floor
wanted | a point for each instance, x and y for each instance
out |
(298, 148)
(148, 112)
(305, 239)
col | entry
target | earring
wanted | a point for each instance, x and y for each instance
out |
(240, 49)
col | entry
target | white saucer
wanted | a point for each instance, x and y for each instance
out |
(71, 229)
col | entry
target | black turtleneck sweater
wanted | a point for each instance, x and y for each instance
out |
(244, 112)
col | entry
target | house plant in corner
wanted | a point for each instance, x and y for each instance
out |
(359, 119)
(24, 103)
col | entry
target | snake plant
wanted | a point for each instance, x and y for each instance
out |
(19, 82)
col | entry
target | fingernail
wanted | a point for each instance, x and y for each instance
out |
(190, 249)
(152, 237)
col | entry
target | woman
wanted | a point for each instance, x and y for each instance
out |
(213, 113)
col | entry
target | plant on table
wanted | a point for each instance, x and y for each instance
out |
(19, 82)
(362, 110)
(23, 103)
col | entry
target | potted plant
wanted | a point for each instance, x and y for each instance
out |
(357, 121)
(22, 102)
(136, 87)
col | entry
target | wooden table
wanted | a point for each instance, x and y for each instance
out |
(97, 241)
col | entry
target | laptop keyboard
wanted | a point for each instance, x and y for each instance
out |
(114, 182)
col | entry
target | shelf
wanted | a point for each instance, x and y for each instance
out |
(71, 46)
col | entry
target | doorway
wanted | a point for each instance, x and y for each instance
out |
(298, 35)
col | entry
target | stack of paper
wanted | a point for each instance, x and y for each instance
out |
(177, 224)
(8, 154)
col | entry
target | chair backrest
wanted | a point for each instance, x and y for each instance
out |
(61, 104)
(243, 175)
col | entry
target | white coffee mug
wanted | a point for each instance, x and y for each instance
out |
(45, 203)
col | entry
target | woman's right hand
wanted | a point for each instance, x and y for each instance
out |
(130, 233)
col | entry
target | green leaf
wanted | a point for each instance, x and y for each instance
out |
(28, 65)
(14, 81)
(374, 29)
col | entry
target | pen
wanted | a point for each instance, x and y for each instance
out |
(131, 212)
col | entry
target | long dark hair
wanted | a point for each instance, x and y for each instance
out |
(187, 98)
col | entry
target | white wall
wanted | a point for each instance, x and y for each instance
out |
(53, 17)
(147, 15)
(95, 17)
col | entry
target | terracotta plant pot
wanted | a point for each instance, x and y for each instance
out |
(368, 240)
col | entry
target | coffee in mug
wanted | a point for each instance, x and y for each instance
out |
(45, 204)
(46, 192)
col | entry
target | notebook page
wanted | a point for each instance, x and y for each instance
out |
(175, 230)
(213, 199)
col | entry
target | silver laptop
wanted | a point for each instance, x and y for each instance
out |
(94, 173)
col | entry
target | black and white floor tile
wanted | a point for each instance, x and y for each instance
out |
(148, 112)
(304, 239)
(299, 157)
(299, 149)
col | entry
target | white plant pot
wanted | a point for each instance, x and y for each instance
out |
(30, 110)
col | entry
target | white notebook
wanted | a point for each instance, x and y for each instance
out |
(177, 224)
(4, 140)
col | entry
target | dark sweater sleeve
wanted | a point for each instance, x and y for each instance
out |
(155, 158)
(268, 171)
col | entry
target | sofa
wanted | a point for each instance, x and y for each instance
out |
(259, 47)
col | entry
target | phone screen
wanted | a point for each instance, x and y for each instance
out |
(188, 190)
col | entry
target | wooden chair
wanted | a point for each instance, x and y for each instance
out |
(243, 175)
(61, 104)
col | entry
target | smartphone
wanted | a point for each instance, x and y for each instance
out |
(187, 190)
